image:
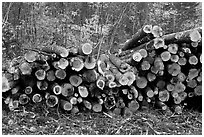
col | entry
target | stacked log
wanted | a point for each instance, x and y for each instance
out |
(151, 68)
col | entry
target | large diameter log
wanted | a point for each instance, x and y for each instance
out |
(77, 63)
(141, 82)
(85, 49)
(52, 100)
(187, 36)
(136, 37)
(50, 75)
(75, 80)
(130, 76)
(166, 56)
(42, 85)
(164, 95)
(25, 68)
(174, 58)
(192, 83)
(66, 105)
(59, 50)
(37, 98)
(83, 91)
(31, 56)
(60, 74)
(157, 31)
(90, 62)
(133, 105)
(40, 74)
(28, 90)
(174, 69)
(143, 53)
(67, 90)
(63, 63)
(23, 99)
(90, 75)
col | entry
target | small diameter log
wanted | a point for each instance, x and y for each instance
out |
(177, 100)
(15, 90)
(173, 48)
(100, 82)
(136, 37)
(194, 44)
(90, 75)
(46, 66)
(90, 62)
(191, 94)
(137, 57)
(161, 105)
(161, 84)
(79, 100)
(60, 74)
(109, 76)
(134, 91)
(151, 77)
(166, 56)
(85, 49)
(164, 95)
(145, 65)
(157, 31)
(77, 63)
(67, 90)
(200, 59)
(174, 94)
(25, 68)
(57, 89)
(40, 74)
(141, 82)
(170, 87)
(174, 69)
(101, 63)
(52, 100)
(187, 36)
(83, 91)
(181, 54)
(149, 92)
(59, 50)
(75, 80)
(96, 107)
(192, 83)
(73, 51)
(42, 85)
(140, 97)
(28, 90)
(154, 70)
(183, 95)
(7, 100)
(143, 53)
(182, 61)
(156, 91)
(66, 105)
(63, 63)
(37, 98)
(50, 75)
(130, 96)
(198, 90)
(178, 109)
(87, 104)
(133, 105)
(55, 64)
(73, 100)
(193, 73)
(111, 84)
(23, 99)
(125, 91)
(31, 56)
(75, 110)
(109, 102)
(193, 60)
(174, 58)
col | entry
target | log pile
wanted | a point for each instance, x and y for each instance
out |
(151, 68)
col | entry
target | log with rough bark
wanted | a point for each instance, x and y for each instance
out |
(52, 100)
(66, 105)
(75, 80)
(77, 63)
(147, 29)
(37, 98)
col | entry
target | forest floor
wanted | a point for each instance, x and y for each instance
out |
(36, 120)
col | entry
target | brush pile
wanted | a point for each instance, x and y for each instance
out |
(164, 71)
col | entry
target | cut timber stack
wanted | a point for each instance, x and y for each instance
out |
(164, 71)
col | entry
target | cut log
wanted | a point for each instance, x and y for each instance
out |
(67, 90)
(15, 90)
(130, 96)
(75, 110)
(164, 95)
(192, 83)
(174, 94)
(130, 76)
(174, 58)
(66, 105)
(174, 69)
(75, 80)
(111, 84)
(42, 85)
(137, 57)
(14, 104)
(140, 97)
(145, 65)
(87, 104)
(183, 95)
(117, 111)
(97, 107)
(60, 74)
(76, 95)
(25, 68)
(125, 91)
(63, 63)
(179, 87)
(52, 100)
(51, 75)
(191, 94)
(173, 48)
(73, 51)
(136, 37)
(6, 83)
(40, 74)
(156, 90)
(166, 56)
(73, 100)
(143, 53)
(184, 36)
(59, 50)
(134, 91)
(181, 54)
(194, 44)
(141, 82)
(90, 75)
(161, 105)
(178, 109)
(200, 59)
(193, 60)
(85, 49)
(100, 82)
(170, 87)
(77, 63)
(31, 56)
(109, 102)
(154, 70)
(158, 63)
(177, 100)
(46, 66)
(133, 105)
(28, 90)
(149, 92)
(37, 98)
(193, 73)
(127, 113)
(101, 63)
(90, 62)
(109, 76)
(23, 99)
(198, 90)
(161, 84)
(57, 89)
(83, 91)
(55, 64)
(182, 61)
(79, 100)
(120, 103)
(157, 31)
(151, 77)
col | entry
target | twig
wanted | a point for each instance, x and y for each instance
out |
(107, 115)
